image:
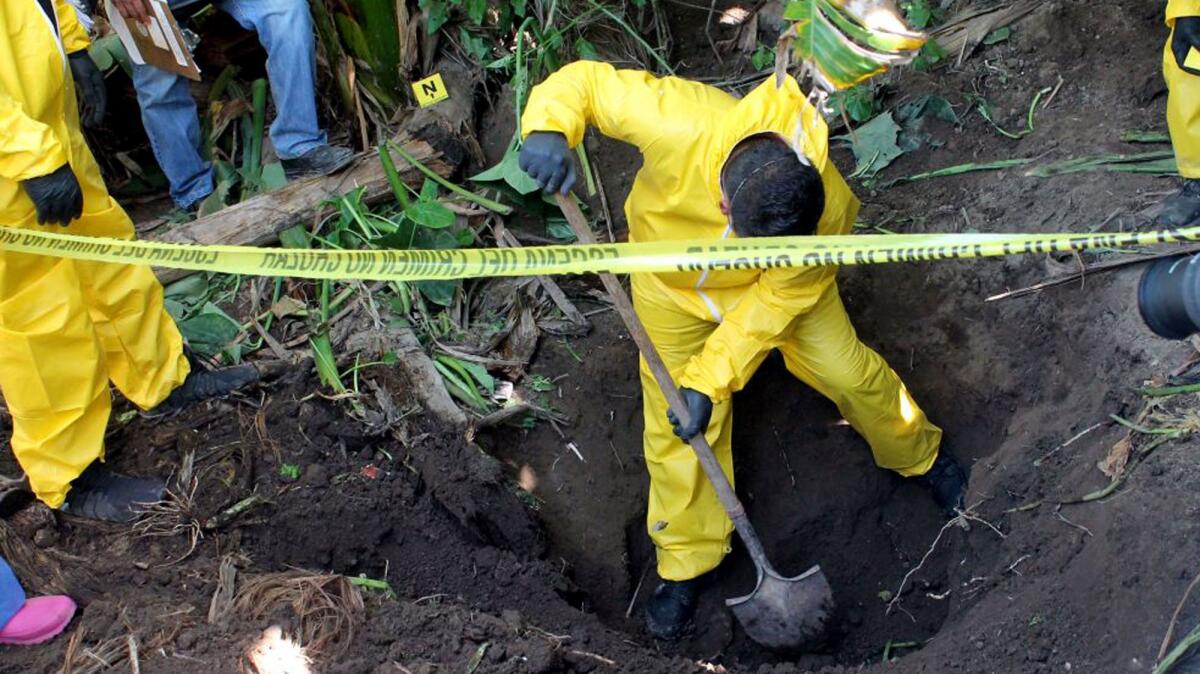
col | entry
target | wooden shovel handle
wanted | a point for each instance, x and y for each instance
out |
(708, 460)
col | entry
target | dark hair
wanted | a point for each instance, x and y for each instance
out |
(770, 191)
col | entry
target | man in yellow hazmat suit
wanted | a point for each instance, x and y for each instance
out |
(1181, 68)
(67, 328)
(716, 167)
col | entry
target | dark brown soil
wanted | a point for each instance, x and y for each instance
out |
(485, 575)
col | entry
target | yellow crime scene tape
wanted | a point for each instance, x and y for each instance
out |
(659, 256)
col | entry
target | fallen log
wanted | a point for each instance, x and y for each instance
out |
(258, 221)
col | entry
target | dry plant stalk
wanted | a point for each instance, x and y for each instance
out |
(330, 609)
(101, 656)
(222, 599)
(174, 515)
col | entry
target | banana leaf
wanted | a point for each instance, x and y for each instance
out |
(849, 41)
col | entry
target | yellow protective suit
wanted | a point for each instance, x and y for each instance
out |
(714, 329)
(66, 328)
(1183, 101)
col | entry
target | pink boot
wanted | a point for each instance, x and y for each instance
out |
(38, 620)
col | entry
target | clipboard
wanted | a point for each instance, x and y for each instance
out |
(158, 43)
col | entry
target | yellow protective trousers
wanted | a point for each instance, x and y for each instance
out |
(821, 348)
(67, 328)
(1183, 99)
(715, 327)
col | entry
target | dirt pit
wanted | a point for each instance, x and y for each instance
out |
(462, 570)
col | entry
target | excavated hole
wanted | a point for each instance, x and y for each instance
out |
(807, 479)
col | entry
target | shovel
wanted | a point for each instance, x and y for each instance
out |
(786, 614)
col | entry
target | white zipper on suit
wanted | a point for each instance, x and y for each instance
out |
(54, 30)
(712, 306)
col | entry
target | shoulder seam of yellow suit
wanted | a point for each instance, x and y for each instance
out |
(714, 329)
(67, 328)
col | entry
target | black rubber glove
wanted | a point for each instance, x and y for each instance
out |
(699, 408)
(547, 159)
(89, 85)
(57, 196)
(1186, 37)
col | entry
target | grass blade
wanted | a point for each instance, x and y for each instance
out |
(494, 206)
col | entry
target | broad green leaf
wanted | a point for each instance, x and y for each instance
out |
(209, 333)
(997, 36)
(429, 190)
(874, 145)
(480, 374)
(858, 102)
(430, 214)
(474, 45)
(382, 33)
(763, 57)
(190, 289)
(437, 13)
(509, 171)
(273, 176)
(354, 37)
(841, 47)
(476, 10)
(586, 50)
(295, 237)
(440, 293)
(558, 228)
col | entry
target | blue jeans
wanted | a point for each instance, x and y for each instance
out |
(169, 113)
(12, 597)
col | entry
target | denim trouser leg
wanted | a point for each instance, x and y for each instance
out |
(285, 30)
(12, 597)
(169, 115)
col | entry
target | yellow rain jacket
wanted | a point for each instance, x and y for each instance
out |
(66, 328)
(714, 329)
(1183, 101)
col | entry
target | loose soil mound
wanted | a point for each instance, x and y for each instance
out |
(486, 577)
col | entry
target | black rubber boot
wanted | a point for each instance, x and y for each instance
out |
(319, 161)
(204, 384)
(947, 480)
(101, 494)
(669, 613)
(1181, 209)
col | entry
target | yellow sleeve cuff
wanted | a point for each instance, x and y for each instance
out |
(1178, 8)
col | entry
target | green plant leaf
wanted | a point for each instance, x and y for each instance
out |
(429, 191)
(325, 362)
(930, 56)
(430, 214)
(440, 293)
(874, 145)
(509, 171)
(474, 45)
(273, 176)
(586, 50)
(999, 35)
(476, 11)
(919, 13)
(208, 333)
(858, 101)
(558, 228)
(841, 47)
(190, 289)
(295, 237)
(290, 471)
(437, 13)
(480, 374)
(763, 57)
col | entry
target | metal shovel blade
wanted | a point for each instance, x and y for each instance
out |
(786, 614)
